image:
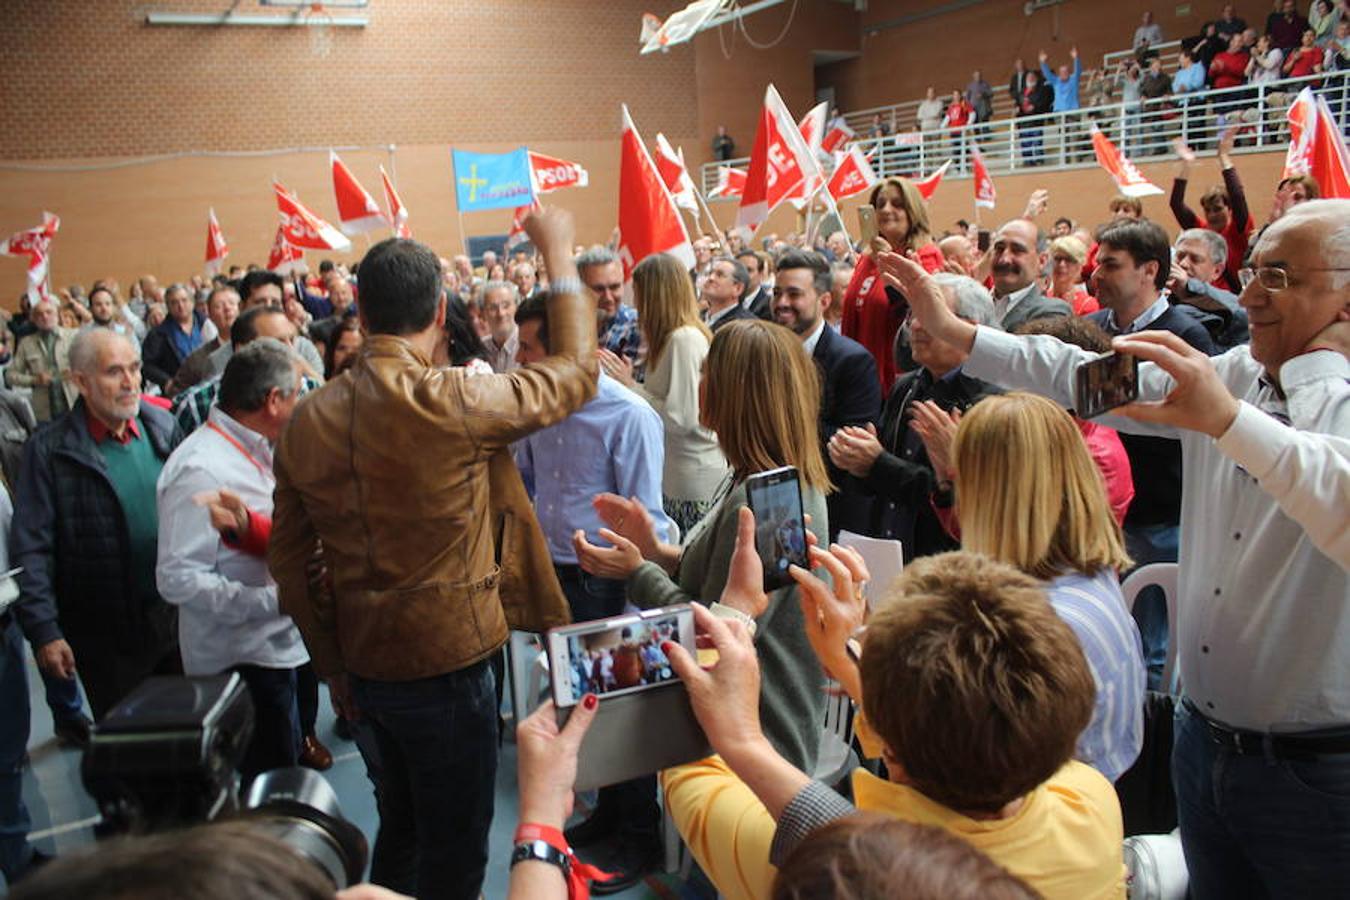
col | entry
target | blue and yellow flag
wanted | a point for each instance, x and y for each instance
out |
(492, 180)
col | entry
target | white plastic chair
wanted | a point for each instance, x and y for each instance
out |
(835, 758)
(1164, 576)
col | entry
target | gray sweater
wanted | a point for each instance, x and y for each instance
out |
(792, 699)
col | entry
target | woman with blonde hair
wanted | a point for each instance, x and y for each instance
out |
(874, 313)
(677, 343)
(762, 397)
(1028, 494)
(1067, 256)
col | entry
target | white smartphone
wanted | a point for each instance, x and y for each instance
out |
(618, 655)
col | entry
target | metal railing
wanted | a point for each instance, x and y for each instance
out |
(1168, 52)
(1142, 130)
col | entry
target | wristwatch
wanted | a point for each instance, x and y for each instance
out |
(542, 851)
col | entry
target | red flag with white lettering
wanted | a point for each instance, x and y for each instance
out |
(649, 223)
(216, 248)
(779, 162)
(302, 227)
(1316, 145)
(852, 175)
(1128, 178)
(358, 212)
(398, 213)
(928, 186)
(670, 163)
(35, 243)
(984, 185)
(285, 256)
(553, 174)
(837, 137)
(730, 182)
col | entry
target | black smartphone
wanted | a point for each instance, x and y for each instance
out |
(1104, 382)
(982, 240)
(780, 527)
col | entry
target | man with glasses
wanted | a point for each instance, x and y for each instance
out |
(602, 273)
(1262, 747)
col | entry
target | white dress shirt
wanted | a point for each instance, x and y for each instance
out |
(1263, 625)
(227, 601)
(1005, 304)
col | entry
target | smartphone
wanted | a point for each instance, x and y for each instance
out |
(1104, 382)
(982, 239)
(618, 655)
(867, 224)
(780, 526)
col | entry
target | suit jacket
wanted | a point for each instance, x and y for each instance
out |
(761, 304)
(735, 313)
(850, 395)
(30, 361)
(1035, 305)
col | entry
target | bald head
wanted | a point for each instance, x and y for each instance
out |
(958, 248)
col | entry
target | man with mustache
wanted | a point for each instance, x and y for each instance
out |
(1019, 257)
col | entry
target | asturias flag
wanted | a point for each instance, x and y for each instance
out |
(492, 180)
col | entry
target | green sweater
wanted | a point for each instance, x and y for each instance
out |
(791, 699)
(134, 469)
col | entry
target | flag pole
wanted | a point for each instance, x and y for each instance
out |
(463, 242)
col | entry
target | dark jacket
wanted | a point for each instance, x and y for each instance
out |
(902, 478)
(1216, 309)
(761, 303)
(736, 313)
(160, 358)
(71, 538)
(850, 395)
(1041, 98)
(17, 423)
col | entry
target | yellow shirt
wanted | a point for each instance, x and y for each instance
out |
(1064, 841)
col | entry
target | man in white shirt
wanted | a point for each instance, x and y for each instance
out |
(1261, 761)
(228, 618)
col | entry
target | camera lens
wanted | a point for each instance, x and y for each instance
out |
(298, 807)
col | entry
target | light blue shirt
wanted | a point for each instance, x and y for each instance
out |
(1142, 321)
(1095, 609)
(1191, 78)
(614, 443)
(1066, 89)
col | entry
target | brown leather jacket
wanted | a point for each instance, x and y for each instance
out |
(402, 471)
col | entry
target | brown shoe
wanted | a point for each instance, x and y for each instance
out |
(314, 755)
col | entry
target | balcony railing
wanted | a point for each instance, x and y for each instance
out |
(1142, 130)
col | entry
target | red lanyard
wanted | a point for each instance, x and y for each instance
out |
(266, 472)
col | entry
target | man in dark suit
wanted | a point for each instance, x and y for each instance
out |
(723, 289)
(1019, 258)
(850, 387)
(759, 298)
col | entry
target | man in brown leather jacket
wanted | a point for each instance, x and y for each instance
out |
(401, 471)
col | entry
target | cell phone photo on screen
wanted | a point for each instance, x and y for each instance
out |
(618, 655)
(780, 527)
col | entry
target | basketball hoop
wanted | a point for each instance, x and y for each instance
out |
(320, 24)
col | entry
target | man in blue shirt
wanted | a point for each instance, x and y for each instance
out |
(613, 444)
(1065, 86)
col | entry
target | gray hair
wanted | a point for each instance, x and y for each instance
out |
(1218, 247)
(596, 256)
(972, 301)
(84, 349)
(177, 286)
(253, 372)
(507, 286)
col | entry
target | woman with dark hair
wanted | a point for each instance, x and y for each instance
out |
(462, 346)
(344, 345)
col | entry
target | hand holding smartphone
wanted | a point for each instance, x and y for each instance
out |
(1104, 382)
(618, 655)
(780, 525)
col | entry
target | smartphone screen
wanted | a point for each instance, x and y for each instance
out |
(780, 527)
(618, 655)
(982, 240)
(1105, 382)
(867, 224)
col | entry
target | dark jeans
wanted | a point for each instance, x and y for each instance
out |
(63, 697)
(437, 744)
(307, 698)
(1260, 826)
(590, 596)
(15, 853)
(276, 721)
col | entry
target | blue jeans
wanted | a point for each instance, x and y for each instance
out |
(437, 744)
(590, 596)
(276, 721)
(1151, 544)
(15, 852)
(1254, 826)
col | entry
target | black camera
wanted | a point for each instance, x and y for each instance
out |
(166, 757)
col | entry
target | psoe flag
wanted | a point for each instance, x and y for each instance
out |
(492, 180)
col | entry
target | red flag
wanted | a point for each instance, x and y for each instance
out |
(1316, 145)
(852, 175)
(649, 223)
(216, 248)
(670, 163)
(357, 210)
(285, 256)
(984, 185)
(553, 174)
(1128, 178)
(398, 213)
(812, 127)
(516, 233)
(928, 186)
(836, 137)
(779, 162)
(302, 227)
(35, 243)
(730, 182)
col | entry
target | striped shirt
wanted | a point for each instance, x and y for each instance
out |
(1095, 609)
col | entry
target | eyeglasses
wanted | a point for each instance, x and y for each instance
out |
(1271, 278)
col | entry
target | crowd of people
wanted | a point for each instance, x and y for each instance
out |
(368, 476)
